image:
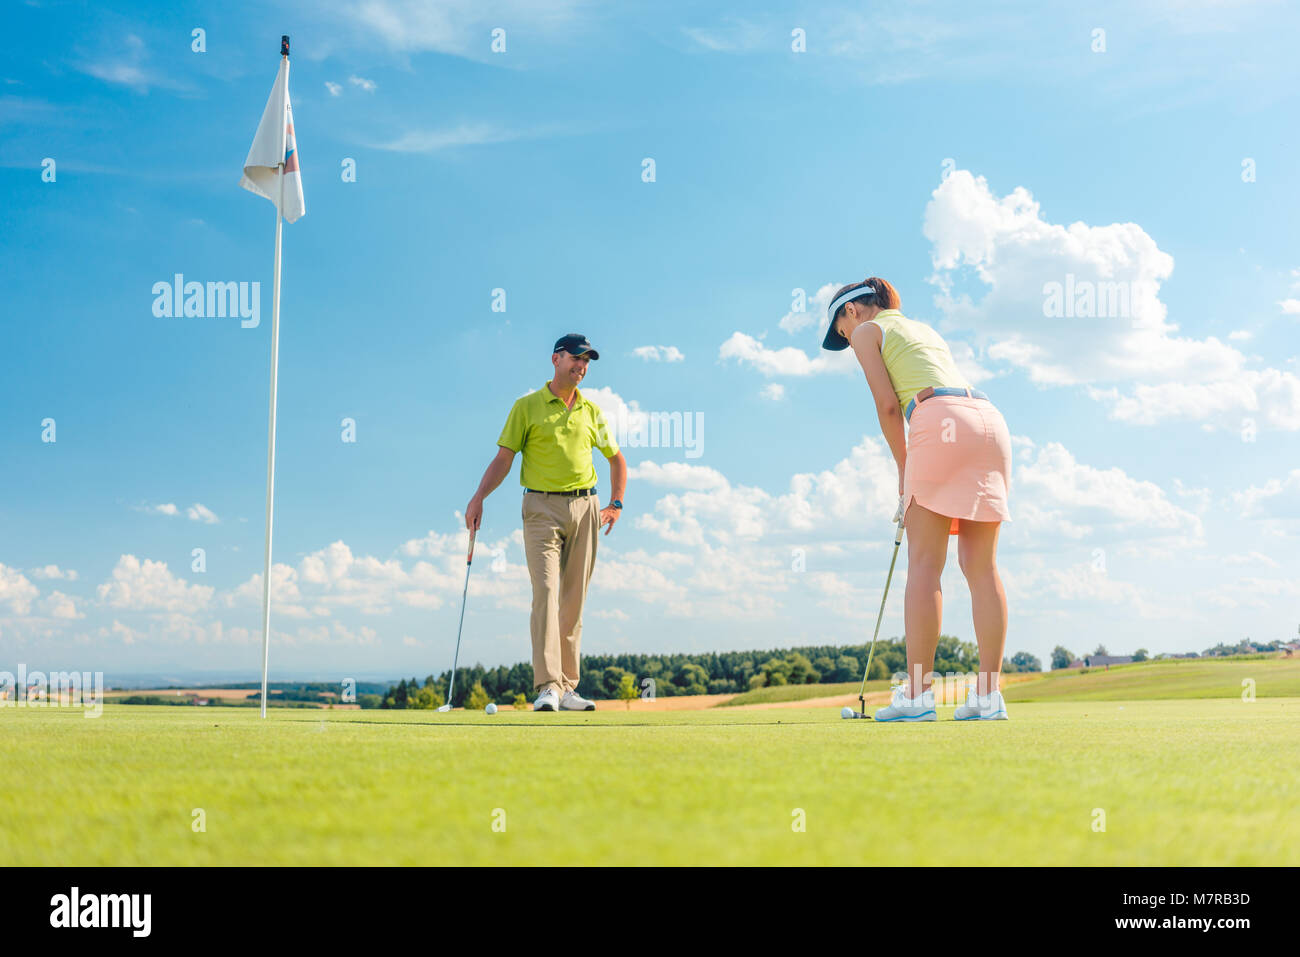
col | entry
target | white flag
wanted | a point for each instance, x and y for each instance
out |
(274, 145)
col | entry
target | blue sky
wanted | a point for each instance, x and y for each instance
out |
(970, 157)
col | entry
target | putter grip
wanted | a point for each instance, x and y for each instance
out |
(470, 557)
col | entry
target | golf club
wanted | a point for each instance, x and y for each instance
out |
(898, 540)
(468, 560)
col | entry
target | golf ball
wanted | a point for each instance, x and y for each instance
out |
(491, 708)
(846, 712)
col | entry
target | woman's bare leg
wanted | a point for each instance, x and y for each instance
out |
(977, 545)
(927, 550)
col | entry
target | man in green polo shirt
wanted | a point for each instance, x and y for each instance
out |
(556, 429)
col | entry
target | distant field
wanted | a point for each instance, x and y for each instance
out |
(226, 695)
(1274, 677)
(1179, 782)
(1149, 680)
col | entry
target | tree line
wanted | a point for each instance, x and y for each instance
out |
(667, 675)
(1062, 656)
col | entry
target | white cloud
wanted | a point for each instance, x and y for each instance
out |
(1276, 498)
(787, 361)
(58, 605)
(967, 362)
(1290, 306)
(458, 27)
(333, 577)
(774, 391)
(1200, 497)
(813, 313)
(863, 484)
(1253, 592)
(1004, 250)
(125, 67)
(1250, 558)
(334, 634)
(648, 578)
(1085, 585)
(1052, 479)
(328, 565)
(360, 81)
(840, 498)
(53, 572)
(658, 353)
(149, 586)
(195, 513)
(1241, 334)
(124, 633)
(334, 88)
(736, 36)
(434, 141)
(201, 513)
(678, 475)
(286, 598)
(16, 591)
(1270, 396)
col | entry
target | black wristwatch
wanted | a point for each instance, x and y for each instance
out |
(616, 504)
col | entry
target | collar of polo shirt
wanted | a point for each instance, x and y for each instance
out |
(577, 396)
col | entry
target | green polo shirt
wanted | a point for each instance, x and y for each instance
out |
(556, 441)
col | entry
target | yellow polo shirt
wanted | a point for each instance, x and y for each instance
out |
(915, 355)
(556, 441)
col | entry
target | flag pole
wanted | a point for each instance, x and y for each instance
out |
(270, 441)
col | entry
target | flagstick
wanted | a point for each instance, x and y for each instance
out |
(270, 442)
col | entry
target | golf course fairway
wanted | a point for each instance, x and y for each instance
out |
(1132, 782)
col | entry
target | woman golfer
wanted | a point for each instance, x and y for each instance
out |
(954, 465)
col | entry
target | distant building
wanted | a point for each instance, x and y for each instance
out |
(1102, 661)
(1076, 663)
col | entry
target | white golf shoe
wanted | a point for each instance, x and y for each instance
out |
(548, 700)
(903, 708)
(572, 701)
(989, 707)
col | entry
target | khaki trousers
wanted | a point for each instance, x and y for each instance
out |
(560, 533)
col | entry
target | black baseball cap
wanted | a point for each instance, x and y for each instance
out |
(575, 344)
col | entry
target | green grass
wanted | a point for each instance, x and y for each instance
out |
(1179, 678)
(1181, 783)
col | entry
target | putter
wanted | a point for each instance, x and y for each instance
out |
(898, 540)
(468, 560)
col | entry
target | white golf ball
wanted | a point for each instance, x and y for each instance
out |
(491, 708)
(846, 712)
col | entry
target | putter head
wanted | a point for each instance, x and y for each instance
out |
(445, 707)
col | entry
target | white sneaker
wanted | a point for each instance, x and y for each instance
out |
(573, 702)
(903, 708)
(989, 707)
(548, 700)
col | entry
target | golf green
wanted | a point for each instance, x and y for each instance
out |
(1186, 782)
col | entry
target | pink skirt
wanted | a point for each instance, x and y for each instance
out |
(958, 459)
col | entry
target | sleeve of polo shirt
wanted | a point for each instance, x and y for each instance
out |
(601, 437)
(516, 428)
